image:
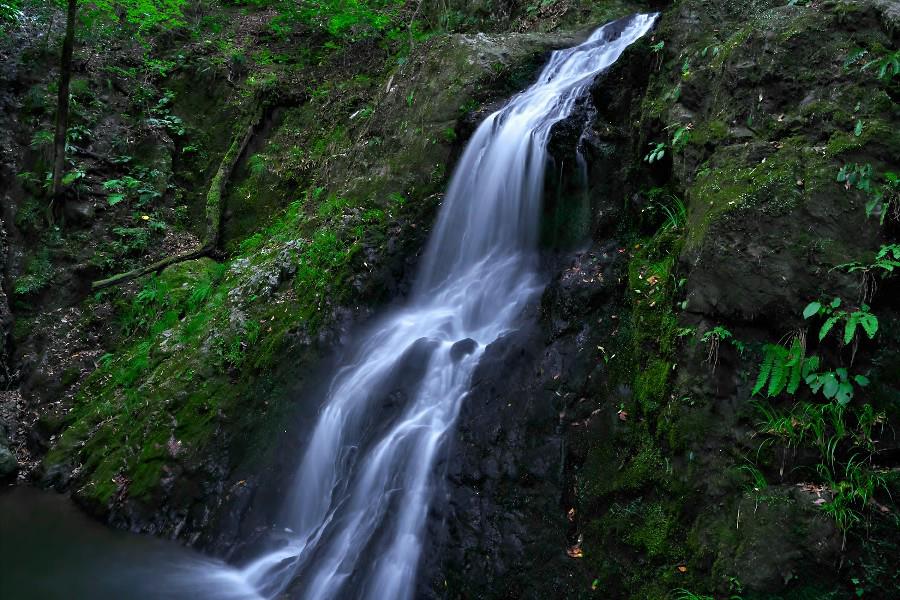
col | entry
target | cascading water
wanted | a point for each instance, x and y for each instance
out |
(353, 524)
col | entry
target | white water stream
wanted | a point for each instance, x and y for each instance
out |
(353, 523)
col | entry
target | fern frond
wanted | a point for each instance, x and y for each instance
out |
(765, 369)
(778, 377)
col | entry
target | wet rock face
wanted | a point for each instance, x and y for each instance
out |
(645, 435)
(500, 527)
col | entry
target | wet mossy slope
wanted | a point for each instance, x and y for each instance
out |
(673, 423)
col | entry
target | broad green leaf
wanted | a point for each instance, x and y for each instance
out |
(71, 177)
(869, 323)
(835, 303)
(114, 199)
(857, 131)
(844, 394)
(861, 380)
(811, 309)
(850, 328)
(831, 385)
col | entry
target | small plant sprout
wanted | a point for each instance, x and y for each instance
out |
(681, 137)
(713, 338)
(886, 260)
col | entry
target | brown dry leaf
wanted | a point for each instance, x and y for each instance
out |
(682, 569)
(571, 514)
(575, 551)
(623, 415)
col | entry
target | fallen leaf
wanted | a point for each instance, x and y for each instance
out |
(571, 514)
(682, 569)
(623, 416)
(575, 551)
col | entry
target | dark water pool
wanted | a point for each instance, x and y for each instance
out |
(49, 550)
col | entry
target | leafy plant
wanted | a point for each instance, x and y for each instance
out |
(783, 368)
(257, 165)
(681, 137)
(885, 201)
(75, 176)
(886, 260)
(714, 337)
(38, 273)
(851, 491)
(837, 384)
(42, 138)
(657, 152)
(857, 176)
(853, 320)
(886, 67)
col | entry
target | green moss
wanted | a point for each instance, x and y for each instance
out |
(775, 185)
(650, 385)
(653, 531)
(37, 276)
(711, 132)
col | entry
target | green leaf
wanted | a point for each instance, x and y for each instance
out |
(811, 309)
(71, 177)
(850, 327)
(844, 393)
(778, 378)
(861, 380)
(869, 323)
(764, 370)
(815, 382)
(114, 199)
(857, 131)
(835, 303)
(810, 366)
(826, 327)
(831, 385)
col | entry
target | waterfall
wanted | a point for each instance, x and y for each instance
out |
(352, 525)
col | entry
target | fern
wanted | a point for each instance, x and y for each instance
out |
(784, 368)
(766, 368)
(796, 358)
(778, 378)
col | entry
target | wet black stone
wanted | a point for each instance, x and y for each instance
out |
(462, 348)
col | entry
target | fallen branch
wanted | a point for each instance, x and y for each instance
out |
(156, 267)
(214, 196)
(94, 155)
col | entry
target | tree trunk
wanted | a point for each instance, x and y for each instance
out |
(62, 108)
